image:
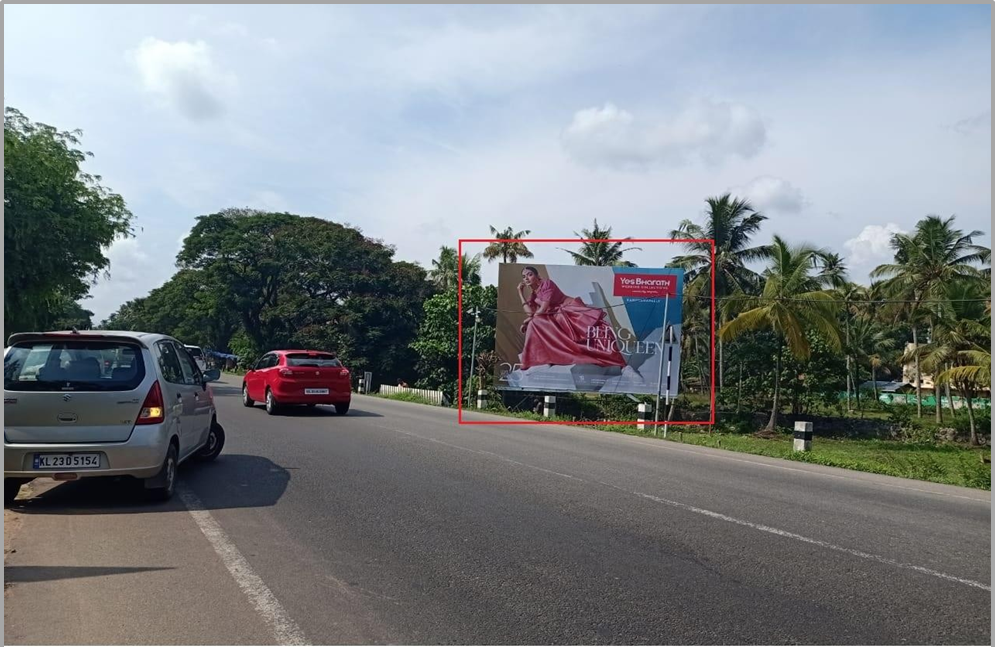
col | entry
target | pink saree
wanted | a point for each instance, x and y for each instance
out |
(560, 336)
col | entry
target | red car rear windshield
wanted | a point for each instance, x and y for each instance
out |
(312, 359)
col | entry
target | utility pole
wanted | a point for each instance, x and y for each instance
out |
(473, 355)
(659, 382)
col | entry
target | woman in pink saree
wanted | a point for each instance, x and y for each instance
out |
(558, 327)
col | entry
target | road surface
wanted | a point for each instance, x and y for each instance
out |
(396, 525)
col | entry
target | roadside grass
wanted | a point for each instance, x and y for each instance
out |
(949, 463)
(404, 397)
(941, 463)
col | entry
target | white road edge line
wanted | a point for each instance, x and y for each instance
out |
(815, 542)
(285, 630)
(687, 449)
(718, 515)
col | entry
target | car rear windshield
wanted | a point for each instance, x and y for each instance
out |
(312, 359)
(82, 365)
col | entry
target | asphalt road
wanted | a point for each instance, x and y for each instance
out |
(395, 525)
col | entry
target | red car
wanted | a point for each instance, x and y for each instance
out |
(305, 377)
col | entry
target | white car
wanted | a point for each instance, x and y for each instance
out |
(104, 403)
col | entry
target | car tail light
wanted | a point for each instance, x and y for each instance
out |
(152, 412)
(344, 372)
(286, 372)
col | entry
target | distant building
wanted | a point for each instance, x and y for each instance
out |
(909, 377)
(888, 386)
(909, 371)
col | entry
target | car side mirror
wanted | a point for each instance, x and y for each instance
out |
(211, 375)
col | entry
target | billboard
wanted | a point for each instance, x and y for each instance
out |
(575, 328)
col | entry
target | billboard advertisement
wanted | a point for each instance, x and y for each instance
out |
(575, 328)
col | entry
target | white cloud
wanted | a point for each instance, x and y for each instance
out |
(235, 29)
(132, 274)
(975, 124)
(518, 47)
(706, 130)
(774, 194)
(269, 201)
(873, 244)
(127, 260)
(184, 75)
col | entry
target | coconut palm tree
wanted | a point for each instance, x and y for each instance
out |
(850, 295)
(927, 261)
(960, 336)
(507, 251)
(731, 223)
(870, 344)
(791, 303)
(600, 253)
(832, 270)
(446, 268)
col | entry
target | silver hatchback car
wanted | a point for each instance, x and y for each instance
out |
(104, 403)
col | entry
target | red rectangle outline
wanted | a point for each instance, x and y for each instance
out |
(459, 332)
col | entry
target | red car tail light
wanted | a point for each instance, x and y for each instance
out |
(286, 372)
(153, 411)
(344, 372)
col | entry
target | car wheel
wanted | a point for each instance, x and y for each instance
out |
(166, 479)
(342, 408)
(272, 408)
(11, 488)
(215, 442)
(246, 400)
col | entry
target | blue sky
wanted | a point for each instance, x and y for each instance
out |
(424, 124)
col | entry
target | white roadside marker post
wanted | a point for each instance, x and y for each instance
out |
(803, 436)
(549, 406)
(644, 414)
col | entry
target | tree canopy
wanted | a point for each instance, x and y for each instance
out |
(58, 222)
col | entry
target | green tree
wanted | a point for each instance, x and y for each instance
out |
(926, 261)
(437, 343)
(960, 335)
(373, 329)
(731, 223)
(832, 270)
(790, 304)
(600, 252)
(446, 269)
(188, 306)
(508, 252)
(293, 281)
(872, 344)
(971, 373)
(70, 315)
(58, 222)
(243, 249)
(130, 316)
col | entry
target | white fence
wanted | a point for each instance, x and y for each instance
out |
(435, 397)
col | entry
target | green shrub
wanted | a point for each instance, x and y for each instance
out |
(407, 397)
(975, 473)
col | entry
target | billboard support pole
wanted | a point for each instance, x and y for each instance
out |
(670, 353)
(659, 381)
(473, 355)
